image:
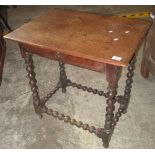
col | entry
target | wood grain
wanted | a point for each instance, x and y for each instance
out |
(83, 35)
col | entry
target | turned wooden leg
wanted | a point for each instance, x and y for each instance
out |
(38, 106)
(126, 98)
(112, 75)
(63, 76)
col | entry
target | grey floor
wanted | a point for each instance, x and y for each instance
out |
(20, 127)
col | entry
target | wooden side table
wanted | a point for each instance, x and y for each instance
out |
(99, 43)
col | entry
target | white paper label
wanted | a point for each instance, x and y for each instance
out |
(116, 58)
(152, 16)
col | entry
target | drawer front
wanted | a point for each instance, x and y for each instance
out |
(68, 59)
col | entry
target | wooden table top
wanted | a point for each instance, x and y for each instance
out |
(103, 39)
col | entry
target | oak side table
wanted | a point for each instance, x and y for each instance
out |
(96, 42)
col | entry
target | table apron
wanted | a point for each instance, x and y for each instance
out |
(67, 59)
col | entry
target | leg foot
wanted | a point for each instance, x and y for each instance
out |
(104, 136)
(106, 139)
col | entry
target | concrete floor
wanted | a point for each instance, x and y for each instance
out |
(20, 127)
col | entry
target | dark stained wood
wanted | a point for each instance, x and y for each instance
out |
(83, 36)
(84, 63)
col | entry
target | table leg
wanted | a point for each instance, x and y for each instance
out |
(112, 75)
(126, 98)
(39, 106)
(63, 77)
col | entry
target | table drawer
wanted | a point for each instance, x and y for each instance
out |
(68, 59)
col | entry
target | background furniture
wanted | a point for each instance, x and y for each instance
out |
(4, 26)
(3, 14)
(148, 61)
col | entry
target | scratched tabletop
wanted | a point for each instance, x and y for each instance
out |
(99, 38)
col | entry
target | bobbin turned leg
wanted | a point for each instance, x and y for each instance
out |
(38, 106)
(112, 75)
(124, 101)
(63, 77)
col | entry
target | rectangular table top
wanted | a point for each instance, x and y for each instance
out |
(98, 38)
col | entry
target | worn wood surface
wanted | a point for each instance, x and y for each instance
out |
(83, 35)
(68, 59)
